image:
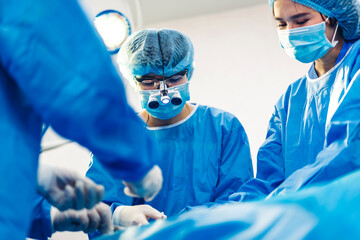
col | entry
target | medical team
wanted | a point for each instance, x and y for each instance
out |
(204, 152)
(313, 139)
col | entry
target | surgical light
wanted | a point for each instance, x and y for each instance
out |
(114, 28)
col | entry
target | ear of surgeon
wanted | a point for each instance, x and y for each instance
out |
(308, 35)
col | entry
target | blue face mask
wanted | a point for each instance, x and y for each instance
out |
(169, 110)
(306, 44)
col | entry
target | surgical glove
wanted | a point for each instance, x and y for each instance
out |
(148, 187)
(97, 218)
(66, 189)
(127, 216)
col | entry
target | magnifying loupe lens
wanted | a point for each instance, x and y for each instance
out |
(153, 103)
(176, 99)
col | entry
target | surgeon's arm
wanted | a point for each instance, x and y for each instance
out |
(235, 165)
(114, 188)
(58, 62)
(270, 162)
(341, 153)
(339, 158)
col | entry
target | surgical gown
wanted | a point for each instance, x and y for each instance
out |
(205, 158)
(311, 131)
(54, 69)
(40, 227)
(330, 211)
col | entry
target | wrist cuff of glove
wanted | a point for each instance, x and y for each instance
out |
(116, 215)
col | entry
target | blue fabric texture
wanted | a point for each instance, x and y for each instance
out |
(55, 70)
(310, 129)
(331, 211)
(347, 12)
(161, 52)
(40, 227)
(204, 159)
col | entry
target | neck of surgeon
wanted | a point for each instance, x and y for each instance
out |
(327, 62)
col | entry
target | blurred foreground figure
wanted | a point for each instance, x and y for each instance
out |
(54, 70)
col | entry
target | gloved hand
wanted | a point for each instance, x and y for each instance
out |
(66, 189)
(127, 216)
(97, 218)
(148, 187)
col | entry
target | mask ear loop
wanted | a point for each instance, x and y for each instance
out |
(333, 42)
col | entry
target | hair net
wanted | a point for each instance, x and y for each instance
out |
(161, 52)
(347, 12)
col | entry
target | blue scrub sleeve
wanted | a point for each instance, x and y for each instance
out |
(114, 188)
(63, 69)
(270, 164)
(341, 153)
(235, 163)
(41, 220)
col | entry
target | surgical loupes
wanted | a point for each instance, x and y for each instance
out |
(153, 102)
(175, 97)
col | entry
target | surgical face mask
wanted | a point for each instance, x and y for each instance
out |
(306, 44)
(163, 105)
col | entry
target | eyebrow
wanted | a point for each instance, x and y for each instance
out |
(146, 77)
(297, 16)
(183, 72)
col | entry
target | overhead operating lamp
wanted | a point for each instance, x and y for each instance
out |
(113, 27)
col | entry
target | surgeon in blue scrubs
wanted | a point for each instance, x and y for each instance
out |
(54, 70)
(314, 121)
(205, 150)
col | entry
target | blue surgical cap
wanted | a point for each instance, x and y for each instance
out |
(161, 52)
(346, 12)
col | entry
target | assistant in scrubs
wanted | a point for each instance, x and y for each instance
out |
(311, 131)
